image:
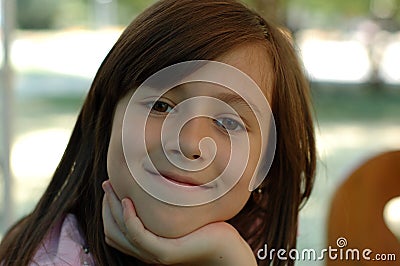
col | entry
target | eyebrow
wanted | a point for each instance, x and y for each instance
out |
(231, 98)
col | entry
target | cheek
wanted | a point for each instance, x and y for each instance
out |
(152, 134)
(231, 203)
(221, 160)
(254, 156)
(117, 168)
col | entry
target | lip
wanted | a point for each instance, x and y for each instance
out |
(180, 180)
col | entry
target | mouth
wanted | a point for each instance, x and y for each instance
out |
(180, 180)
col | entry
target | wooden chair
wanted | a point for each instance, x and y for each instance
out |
(356, 211)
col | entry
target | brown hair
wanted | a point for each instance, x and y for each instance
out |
(170, 32)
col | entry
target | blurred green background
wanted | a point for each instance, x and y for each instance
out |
(350, 50)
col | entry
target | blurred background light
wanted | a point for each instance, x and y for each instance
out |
(36, 154)
(392, 216)
(390, 66)
(335, 61)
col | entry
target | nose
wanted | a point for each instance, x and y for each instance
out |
(191, 135)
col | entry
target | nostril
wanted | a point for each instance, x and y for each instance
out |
(196, 156)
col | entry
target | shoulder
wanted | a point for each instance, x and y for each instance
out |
(63, 245)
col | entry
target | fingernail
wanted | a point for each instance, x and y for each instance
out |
(124, 203)
(106, 186)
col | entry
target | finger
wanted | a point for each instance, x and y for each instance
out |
(137, 254)
(163, 250)
(116, 238)
(115, 205)
(189, 248)
(111, 228)
(121, 248)
(135, 228)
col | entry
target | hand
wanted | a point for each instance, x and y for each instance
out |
(214, 244)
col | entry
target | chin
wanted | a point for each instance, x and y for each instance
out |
(168, 231)
(160, 218)
(171, 221)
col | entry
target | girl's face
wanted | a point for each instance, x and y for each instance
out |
(169, 220)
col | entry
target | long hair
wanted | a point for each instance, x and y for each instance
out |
(170, 32)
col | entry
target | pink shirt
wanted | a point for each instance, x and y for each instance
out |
(63, 245)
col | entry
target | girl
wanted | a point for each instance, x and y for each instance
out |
(73, 225)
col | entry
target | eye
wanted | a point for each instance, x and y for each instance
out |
(160, 107)
(229, 124)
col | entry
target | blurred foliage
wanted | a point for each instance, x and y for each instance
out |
(343, 7)
(47, 14)
(275, 10)
(36, 14)
(43, 14)
(128, 9)
(319, 13)
(71, 13)
(339, 11)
